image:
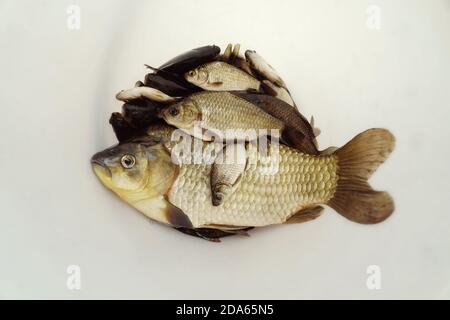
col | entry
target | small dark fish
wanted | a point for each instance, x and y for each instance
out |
(191, 59)
(290, 116)
(169, 84)
(141, 113)
(122, 128)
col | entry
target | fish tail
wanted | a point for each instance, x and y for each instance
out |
(354, 198)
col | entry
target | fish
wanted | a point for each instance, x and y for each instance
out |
(140, 113)
(218, 112)
(226, 56)
(243, 65)
(227, 170)
(122, 128)
(231, 53)
(260, 66)
(191, 59)
(235, 53)
(172, 85)
(141, 172)
(225, 177)
(145, 92)
(221, 76)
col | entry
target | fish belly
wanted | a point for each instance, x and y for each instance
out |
(272, 188)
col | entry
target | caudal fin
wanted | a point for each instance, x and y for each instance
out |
(357, 160)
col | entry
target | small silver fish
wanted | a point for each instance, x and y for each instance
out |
(263, 68)
(221, 76)
(145, 92)
(218, 112)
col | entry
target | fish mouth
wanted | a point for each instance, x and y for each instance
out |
(103, 173)
(101, 170)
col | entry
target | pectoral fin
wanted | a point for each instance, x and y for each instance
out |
(176, 217)
(305, 215)
(216, 84)
(227, 171)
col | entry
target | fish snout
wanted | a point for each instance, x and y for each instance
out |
(99, 165)
(162, 113)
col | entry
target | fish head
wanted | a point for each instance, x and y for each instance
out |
(140, 113)
(136, 170)
(251, 56)
(197, 76)
(182, 115)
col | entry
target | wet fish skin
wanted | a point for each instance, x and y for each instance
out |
(221, 76)
(260, 199)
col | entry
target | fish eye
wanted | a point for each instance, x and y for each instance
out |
(174, 112)
(191, 73)
(128, 161)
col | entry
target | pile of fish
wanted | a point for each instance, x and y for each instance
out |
(212, 144)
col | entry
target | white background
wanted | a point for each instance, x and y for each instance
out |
(57, 92)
